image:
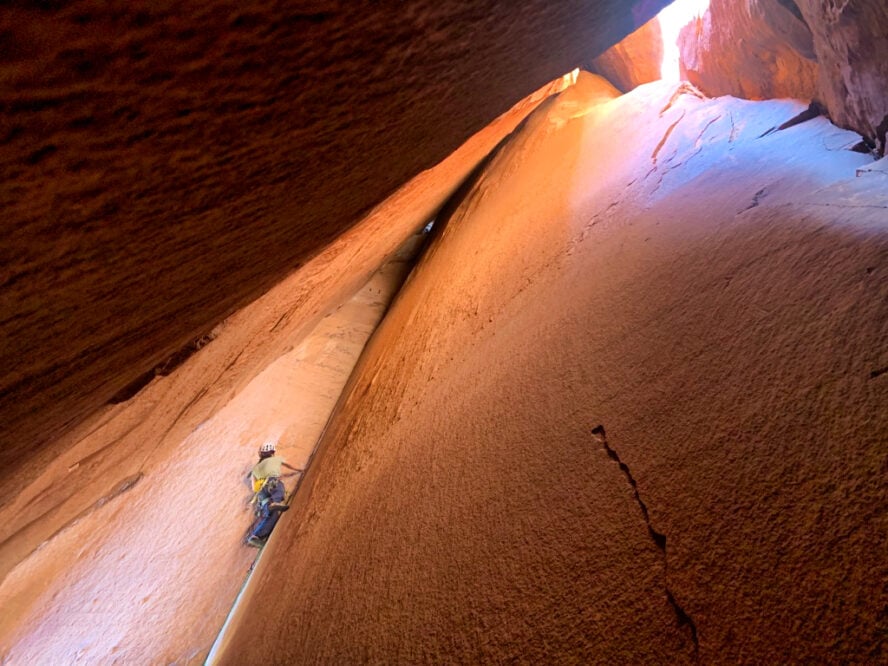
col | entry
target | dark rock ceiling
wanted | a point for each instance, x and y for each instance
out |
(165, 163)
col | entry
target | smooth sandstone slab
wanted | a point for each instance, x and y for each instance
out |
(150, 575)
(116, 493)
(629, 408)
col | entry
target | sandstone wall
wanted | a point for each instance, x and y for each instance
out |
(831, 53)
(835, 53)
(851, 43)
(165, 163)
(633, 61)
(96, 462)
(629, 408)
(756, 49)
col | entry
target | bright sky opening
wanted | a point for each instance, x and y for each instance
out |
(672, 19)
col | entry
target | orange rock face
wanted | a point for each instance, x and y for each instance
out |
(633, 61)
(755, 50)
(149, 574)
(835, 53)
(629, 408)
(163, 166)
(145, 489)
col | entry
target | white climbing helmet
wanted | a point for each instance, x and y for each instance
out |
(268, 447)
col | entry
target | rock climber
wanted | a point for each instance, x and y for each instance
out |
(269, 493)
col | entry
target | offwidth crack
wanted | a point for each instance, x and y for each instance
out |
(684, 620)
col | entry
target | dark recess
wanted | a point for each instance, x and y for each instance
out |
(793, 8)
(130, 390)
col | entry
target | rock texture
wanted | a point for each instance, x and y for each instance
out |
(629, 408)
(164, 164)
(851, 43)
(831, 52)
(149, 575)
(756, 49)
(272, 370)
(633, 61)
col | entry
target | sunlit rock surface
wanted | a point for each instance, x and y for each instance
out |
(149, 575)
(629, 408)
(165, 164)
(756, 49)
(834, 53)
(635, 60)
(159, 179)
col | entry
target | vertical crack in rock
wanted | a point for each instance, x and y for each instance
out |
(703, 131)
(668, 162)
(684, 620)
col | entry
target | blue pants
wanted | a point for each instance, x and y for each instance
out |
(271, 493)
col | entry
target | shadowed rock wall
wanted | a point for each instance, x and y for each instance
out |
(851, 43)
(163, 163)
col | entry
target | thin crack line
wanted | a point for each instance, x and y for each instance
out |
(683, 619)
(665, 139)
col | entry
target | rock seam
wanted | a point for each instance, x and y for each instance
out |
(684, 620)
